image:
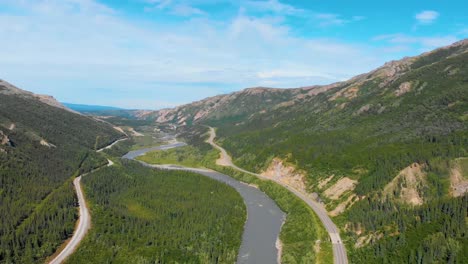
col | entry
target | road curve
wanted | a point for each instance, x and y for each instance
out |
(111, 145)
(84, 221)
(339, 250)
(264, 217)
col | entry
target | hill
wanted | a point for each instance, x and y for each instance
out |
(104, 111)
(43, 145)
(90, 108)
(383, 150)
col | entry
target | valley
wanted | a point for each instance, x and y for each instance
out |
(368, 170)
(379, 150)
(339, 251)
(264, 221)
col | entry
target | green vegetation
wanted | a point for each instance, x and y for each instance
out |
(146, 141)
(426, 126)
(417, 115)
(120, 149)
(302, 228)
(37, 200)
(142, 215)
(187, 156)
(433, 233)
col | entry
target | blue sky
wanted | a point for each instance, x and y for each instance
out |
(161, 53)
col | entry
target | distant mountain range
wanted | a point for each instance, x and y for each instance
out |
(99, 110)
(90, 108)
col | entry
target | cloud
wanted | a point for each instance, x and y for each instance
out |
(463, 31)
(78, 53)
(177, 8)
(274, 6)
(326, 19)
(425, 43)
(267, 29)
(427, 17)
(186, 10)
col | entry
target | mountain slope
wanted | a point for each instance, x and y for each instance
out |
(43, 146)
(359, 143)
(256, 101)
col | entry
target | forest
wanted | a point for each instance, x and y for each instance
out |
(141, 215)
(301, 230)
(37, 199)
(370, 138)
(436, 232)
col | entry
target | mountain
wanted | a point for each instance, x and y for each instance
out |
(386, 151)
(43, 145)
(108, 111)
(259, 100)
(89, 108)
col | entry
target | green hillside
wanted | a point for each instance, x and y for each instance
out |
(141, 215)
(409, 119)
(42, 147)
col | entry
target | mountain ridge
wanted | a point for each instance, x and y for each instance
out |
(9, 89)
(382, 150)
(43, 145)
(202, 110)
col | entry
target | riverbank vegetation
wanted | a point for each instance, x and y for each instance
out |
(141, 215)
(304, 239)
(370, 131)
(189, 156)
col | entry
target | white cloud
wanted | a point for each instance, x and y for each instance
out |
(186, 10)
(396, 48)
(326, 19)
(427, 16)
(273, 6)
(178, 8)
(463, 31)
(426, 43)
(84, 52)
(330, 19)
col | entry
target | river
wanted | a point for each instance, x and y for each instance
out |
(264, 217)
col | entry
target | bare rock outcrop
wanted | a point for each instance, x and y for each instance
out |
(285, 173)
(407, 185)
(4, 140)
(342, 186)
(458, 182)
(403, 88)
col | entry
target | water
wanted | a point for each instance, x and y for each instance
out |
(264, 217)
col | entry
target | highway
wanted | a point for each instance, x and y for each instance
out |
(84, 221)
(111, 145)
(339, 250)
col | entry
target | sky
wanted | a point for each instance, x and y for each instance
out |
(152, 54)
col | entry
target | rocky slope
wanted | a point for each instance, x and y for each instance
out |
(9, 89)
(384, 150)
(238, 106)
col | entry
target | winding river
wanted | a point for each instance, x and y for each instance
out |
(264, 217)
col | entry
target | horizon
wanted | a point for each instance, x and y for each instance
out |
(154, 54)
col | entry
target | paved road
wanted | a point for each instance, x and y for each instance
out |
(339, 250)
(84, 222)
(264, 220)
(83, 226)
(111, 145)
